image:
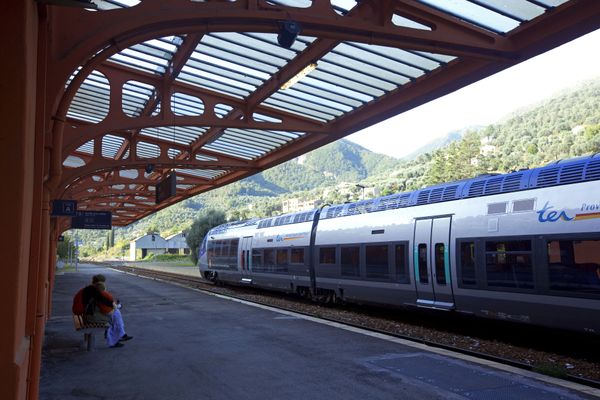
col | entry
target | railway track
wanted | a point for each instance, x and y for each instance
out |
(565, 355)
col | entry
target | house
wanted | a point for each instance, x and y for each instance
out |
(177, 244)
(151, 243)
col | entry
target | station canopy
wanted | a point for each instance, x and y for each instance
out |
(220, 90)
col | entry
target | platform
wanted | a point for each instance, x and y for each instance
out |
(192, 345)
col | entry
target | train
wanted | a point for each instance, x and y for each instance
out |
(522, 246)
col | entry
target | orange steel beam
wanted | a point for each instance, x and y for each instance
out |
(75, 134)
(78, 31)
(100, 165)
(89, 183)
(481, 64)
(115, 93)
(176, 64)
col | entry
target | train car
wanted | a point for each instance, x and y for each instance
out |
(523, 246)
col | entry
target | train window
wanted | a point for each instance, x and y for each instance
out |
(422, 261)
(523, 205)
(467, 263)
(297, 256)
(217, 248)
(440, 263)
(327, 255)
(210, 249)
(376, 260)
(257, 257)
(233, 247)
(497, 208)
(282, 257)
(401, 263)
(508, 264)
(269, 259)
(350, 260)
(574, 265)
(224, 248)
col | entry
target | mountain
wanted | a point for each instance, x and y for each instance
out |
(438, 143)
(341, 161)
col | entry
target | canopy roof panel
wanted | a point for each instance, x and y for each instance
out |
(218, 91)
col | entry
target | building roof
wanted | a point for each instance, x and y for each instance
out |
(196, 88)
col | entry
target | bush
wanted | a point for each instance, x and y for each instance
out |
(171, 257)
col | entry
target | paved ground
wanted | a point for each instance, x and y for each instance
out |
(191, 345)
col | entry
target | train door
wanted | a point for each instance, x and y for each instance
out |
(245, 255)
(431, 254)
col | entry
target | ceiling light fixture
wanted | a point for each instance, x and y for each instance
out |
(305, 71)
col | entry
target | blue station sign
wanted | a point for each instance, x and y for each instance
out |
(92, 220)
(64, 208)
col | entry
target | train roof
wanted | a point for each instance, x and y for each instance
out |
(233, 225)
(563, 172)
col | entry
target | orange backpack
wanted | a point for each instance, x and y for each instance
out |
(78, 307)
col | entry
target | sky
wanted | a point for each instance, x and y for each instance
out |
(487, 101)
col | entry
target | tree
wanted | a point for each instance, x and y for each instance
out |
(62, 250)
(195, 234)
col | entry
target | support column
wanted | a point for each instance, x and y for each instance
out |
(52, 263)
(18, 72)
(41, 303)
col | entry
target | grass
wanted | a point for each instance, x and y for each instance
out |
(551, 370)
(176, 259)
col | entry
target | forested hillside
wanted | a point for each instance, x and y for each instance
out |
(565, 126)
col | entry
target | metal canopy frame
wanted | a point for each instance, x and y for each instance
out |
(195, 86)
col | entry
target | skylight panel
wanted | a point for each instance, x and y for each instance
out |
(442, 58)
(104, 5)
(475, 14)
(235, 151)
(204, 157)
(298, 109)
(205, 59)
(178, 134)
(135, 97)
(399, 20)
(73, 162)
(420, 62)
(91, 101)
(321, 101)
(552, 3)
(235, 45)
(183, 104)
(307, 86)
(201, 173)
(372, 58)
(291, 3)
(147, 150)
(169, 43)
(198, 78)
(520, 10)
(338, 83)
(87, 147)
(173, 153)
(342, 7)
(111, 145)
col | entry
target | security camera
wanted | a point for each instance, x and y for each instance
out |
(288, 31)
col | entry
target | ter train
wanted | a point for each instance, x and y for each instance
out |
(523, 246)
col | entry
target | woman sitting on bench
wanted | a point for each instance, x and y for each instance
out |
(100, 307)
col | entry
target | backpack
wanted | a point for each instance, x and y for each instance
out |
(78, 307)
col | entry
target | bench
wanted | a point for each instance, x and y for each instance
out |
(88, 328)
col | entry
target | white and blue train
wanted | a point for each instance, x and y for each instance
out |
(523, 246)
